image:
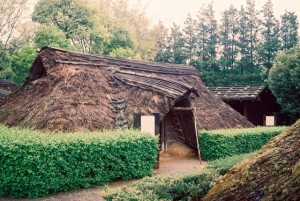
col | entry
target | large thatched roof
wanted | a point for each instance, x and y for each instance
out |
(73, 91)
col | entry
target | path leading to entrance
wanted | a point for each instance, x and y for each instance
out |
(171, 164)
(168, 165)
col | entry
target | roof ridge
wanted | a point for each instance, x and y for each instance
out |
(152, 63)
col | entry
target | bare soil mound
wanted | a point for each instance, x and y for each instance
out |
(272, 174)
(181, 150)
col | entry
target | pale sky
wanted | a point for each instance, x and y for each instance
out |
(169, 11)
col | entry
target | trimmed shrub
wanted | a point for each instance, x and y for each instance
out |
(180, 187)
(217, 144)
(35, 164)
(223, 165)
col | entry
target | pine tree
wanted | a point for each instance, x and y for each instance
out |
(207, 38)
(270, 37)
(248, 32)
(176, 45)
(190, 45)
(289, 30)
(228, 38)
(161, 47)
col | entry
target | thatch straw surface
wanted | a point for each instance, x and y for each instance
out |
(73, 91)
(272, 174)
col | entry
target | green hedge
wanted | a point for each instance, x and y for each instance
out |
(180, 187)
(217, 144)
(224, 164)
(34, 164)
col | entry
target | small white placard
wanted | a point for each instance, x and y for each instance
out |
(148, 124)
(270, 121)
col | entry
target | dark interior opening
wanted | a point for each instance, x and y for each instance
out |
(37, 70)
(179, 126)
(184, 102)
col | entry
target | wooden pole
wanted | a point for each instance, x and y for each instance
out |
(165, 135)
(196, 132)
(182, 109)
(157, 132)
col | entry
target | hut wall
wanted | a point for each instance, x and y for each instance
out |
(143, 102)
(253, 110)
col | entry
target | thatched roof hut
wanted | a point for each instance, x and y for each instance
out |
(70, 91)
(254, 102)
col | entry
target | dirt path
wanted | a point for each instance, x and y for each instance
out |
(168, 165)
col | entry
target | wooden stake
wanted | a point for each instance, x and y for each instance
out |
(165, 135)
(196, 131)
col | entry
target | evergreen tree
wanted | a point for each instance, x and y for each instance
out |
(244, 45)
(176, 45)
(189, 31)
(229, 38)
(269, 37)
(161, 46)
(289, 30)
(207, 38)
(248, 32)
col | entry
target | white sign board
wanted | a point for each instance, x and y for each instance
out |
(270, 121)
(148, 124)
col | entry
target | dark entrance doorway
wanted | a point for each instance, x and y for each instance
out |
(179, 125)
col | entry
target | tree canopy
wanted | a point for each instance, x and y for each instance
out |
(100, 26)
(112, 27)
(284, 81)
(21, 61)
(238, 50)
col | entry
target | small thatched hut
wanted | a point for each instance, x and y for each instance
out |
(74, 91)
(254, 102)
